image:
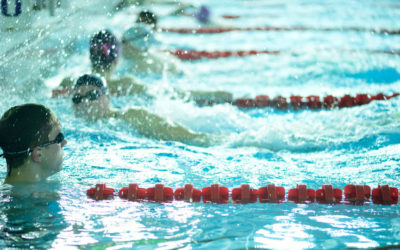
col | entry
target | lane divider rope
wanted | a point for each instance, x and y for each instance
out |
(193, 55)
(327, 194)
(293, 102)
(308, 102)
(215, 30)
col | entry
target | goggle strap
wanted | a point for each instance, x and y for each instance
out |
(58, 139)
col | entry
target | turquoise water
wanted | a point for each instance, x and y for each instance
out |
(357, 145)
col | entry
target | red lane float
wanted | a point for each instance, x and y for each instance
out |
(244, 194)
(385, 195)
(301, 194)
(357, 194)
(309, 102)
(353, 194)
(132, 192)
(188, 193)
(55, 93)
(216, 30)
(215, 194)
(271, 194)
(100, 192)
(192, 55)
(328, 194)
(159, 193)
(230, 16)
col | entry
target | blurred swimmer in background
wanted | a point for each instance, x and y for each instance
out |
(104, 52)
(104, 57)
(91, 102)
(148, 18)
(140, 56)
(202, 14)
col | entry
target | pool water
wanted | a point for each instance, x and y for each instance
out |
(357, 145)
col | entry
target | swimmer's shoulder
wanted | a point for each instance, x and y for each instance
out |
(126, 85)
(134, 112)
(67, 82)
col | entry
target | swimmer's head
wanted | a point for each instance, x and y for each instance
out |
(104, 50)
(138, 37)
(89, 97)
(148, 18)
(203, 14)
(26, 128)
(91, 79)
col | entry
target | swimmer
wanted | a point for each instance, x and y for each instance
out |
(91, 102)
(147, 17)
(32, 143)
(202, 14)
(104, 56)
(141, 58)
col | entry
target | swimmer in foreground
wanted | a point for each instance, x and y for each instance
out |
(32, 143)
(90, 101)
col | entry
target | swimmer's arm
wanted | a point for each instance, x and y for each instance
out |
(126, 86)
(152, 125)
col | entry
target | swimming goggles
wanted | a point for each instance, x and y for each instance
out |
(59, 139)
(91, 95)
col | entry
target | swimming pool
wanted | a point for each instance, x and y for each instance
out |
(357, 145)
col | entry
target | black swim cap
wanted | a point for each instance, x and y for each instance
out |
(93, 80)
(104, 49)
(147, 17)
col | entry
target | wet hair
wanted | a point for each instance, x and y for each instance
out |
(104, 50)
(147, 17)
(23, 127)
(90, 79)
